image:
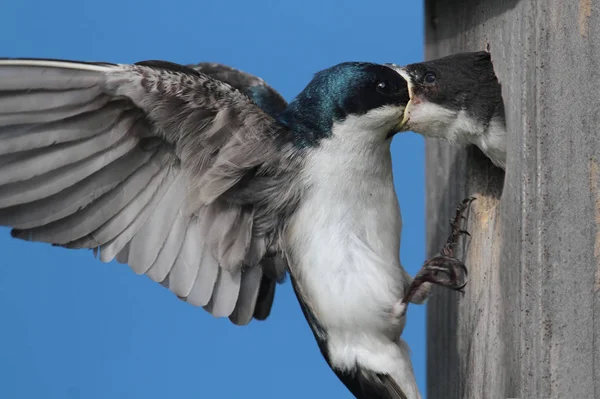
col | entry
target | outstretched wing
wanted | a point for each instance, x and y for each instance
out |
(162, 167)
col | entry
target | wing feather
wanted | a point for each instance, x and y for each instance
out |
(30, 136)
(176, 172)
(149, 240)
(52, 182)
(65, 154)
(204, 283)
(70, 200)
(187, 265)
(122, 257)
(246, 303)
(43, 116)
(169, 251)
(84, 222)
(225, 293)
(47, 101)
(111, 241)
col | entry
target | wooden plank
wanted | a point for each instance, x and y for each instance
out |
(529, 324)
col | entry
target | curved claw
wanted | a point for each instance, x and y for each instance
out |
(454, 270)
(440, 270)
(455, 230)
(434, 270)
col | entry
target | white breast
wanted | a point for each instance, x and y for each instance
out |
(346, 234)
(344, 241)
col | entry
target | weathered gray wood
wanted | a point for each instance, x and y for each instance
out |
(529, 324)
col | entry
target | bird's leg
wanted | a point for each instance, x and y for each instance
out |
(444, 269)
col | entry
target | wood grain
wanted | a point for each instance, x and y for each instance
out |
(529, 323)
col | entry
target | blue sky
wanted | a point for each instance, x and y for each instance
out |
(73, 327)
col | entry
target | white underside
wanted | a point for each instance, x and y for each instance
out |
(346, 239)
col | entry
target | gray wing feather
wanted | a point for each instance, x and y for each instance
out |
(32, 136)
(47, 101)
(170, 249)
(47, 77)
(54, 181)
(183, 274)
(76, 230)
(246, 303)
(67, 231)
(112, 240)
(122, 257)
(150, 238)
(232, 227)
(225, 293)
(152, 165)
(43, 116)
(64, 154)
(78, 196)
(204, 283)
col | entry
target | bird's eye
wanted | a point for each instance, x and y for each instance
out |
(429, 77)
(385, 87)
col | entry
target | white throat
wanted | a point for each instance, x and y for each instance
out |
(457, 127)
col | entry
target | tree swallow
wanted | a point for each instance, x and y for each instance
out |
(458, 98)
(206, 180)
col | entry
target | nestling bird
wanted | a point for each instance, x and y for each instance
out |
(458, 98)
(207, 181)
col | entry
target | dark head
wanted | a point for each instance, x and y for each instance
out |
(461, 87)
(378, 93)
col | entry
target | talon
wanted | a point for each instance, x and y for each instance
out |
(466, 202)
(445, 270)
(441, 270)
(456, 232)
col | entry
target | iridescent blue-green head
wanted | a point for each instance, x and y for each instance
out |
(373, 94)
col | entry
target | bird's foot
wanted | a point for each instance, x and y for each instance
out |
(444, 269)
(455, 230)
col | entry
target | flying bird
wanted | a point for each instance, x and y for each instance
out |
(459, 99)
(204, 179)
